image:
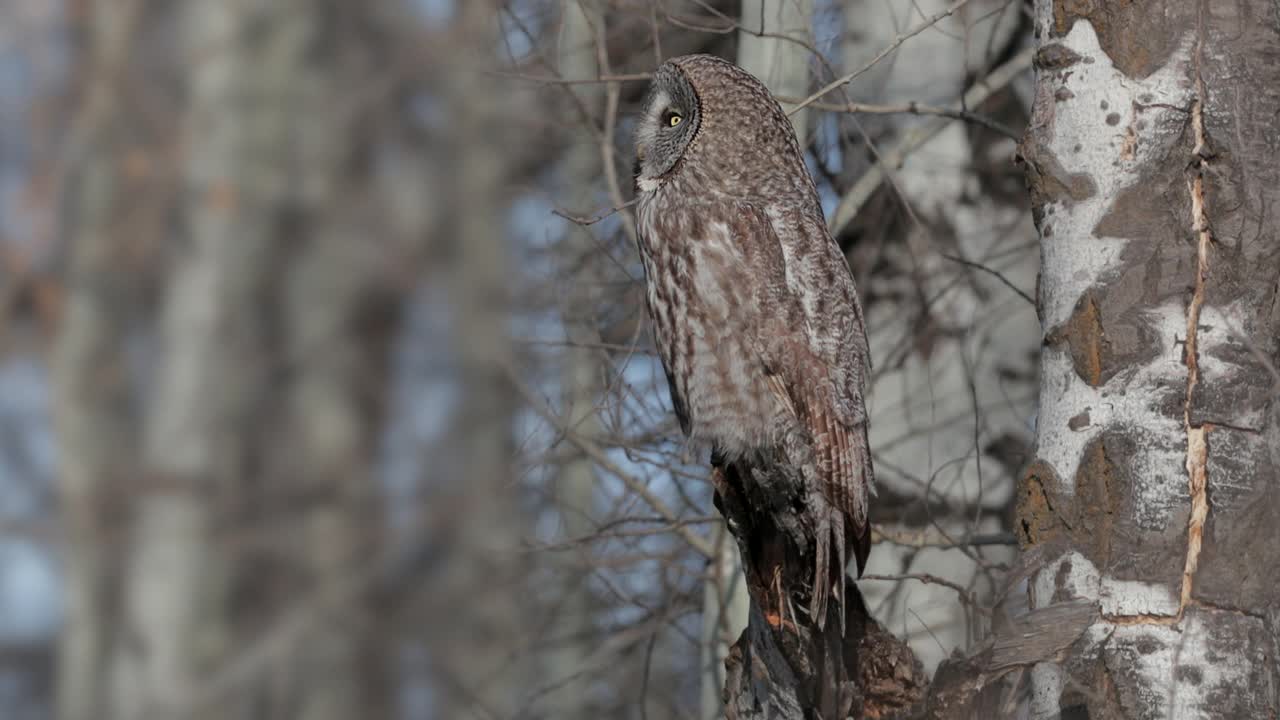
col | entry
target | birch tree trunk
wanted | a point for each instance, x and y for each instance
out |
(582, 33)
(252, 103)
(783, 66)
(340, 318)
(1152, 164)
(92, 407)
(341, 324)
(483, 646)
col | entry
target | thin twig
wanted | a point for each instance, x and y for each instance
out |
(592, 220)
(897, 41)
(858, 195)
(550, 80)
(998, 275)
(915, 108)
(637, 486)
(928, 579)
(927, 539)
(612, 94)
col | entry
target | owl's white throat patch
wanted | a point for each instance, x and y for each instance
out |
(648, 184)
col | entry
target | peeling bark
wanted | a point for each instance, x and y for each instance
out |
(1158, 298)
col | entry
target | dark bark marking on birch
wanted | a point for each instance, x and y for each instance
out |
(1238, 403)
(1238, 565)
(1038, 518)
(1095, 688)
(1138, 35)
(1220, 694)
(1096, 499)
(1084, 338)
(1102, 519)
(1154, 266)
(1080, 421)
(1055, 56)
(1118, 533)
(1252, 697)
(1050, 182)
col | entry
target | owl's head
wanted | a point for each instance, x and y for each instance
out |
(707, 117)
(668, 125)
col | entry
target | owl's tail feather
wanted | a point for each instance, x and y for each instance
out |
(837, 534)
(821, 573)
(830, 529)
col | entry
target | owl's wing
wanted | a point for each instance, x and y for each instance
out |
(677, 400)
(825, 378)
(662, 340)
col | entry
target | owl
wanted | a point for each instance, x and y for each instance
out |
(753, 307)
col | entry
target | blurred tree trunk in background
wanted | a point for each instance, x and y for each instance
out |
(254, 96)
(90, 373)
(258, 434)
(1152, 162)
(571, 637)
(783, 65)
(481, 656)
(774, 41)
(340, 317)
(341, 321)
(955, 351)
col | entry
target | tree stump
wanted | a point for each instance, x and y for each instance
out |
(784, 667)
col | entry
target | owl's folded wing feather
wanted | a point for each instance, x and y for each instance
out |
(829, 389)
(677, 400)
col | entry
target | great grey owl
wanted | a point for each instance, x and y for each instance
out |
(753, 307)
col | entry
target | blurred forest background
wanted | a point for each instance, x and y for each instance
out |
(324, 387)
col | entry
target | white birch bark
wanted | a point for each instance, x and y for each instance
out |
(1155, 466)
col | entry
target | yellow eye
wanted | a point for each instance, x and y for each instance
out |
(674, 119)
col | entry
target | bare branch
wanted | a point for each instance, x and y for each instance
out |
(597, 454)
(914, 108)
(857, 196)
(586, 221)
(897, 41)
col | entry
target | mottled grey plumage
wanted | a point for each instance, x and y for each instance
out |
(754, 310)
